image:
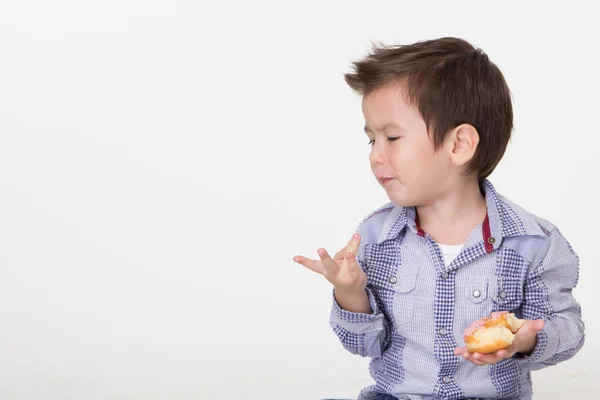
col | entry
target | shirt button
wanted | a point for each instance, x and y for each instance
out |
(445, 275)
(393, 280)
(502, 295)
(446, 379)
(476, 293)
(443, 331)
(491, 240)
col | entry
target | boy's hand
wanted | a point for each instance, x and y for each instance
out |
(342, 270)
(524, 342)
(348, 279)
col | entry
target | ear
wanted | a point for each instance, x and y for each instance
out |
(461, 143)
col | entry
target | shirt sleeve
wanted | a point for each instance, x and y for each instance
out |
(548, 296)
(361, 333)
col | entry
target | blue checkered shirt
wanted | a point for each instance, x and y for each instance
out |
(513, 261)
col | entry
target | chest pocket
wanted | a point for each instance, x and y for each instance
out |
(507, 294)
(394, 287)
(477, 289)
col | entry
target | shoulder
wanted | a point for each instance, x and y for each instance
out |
(528, 222)
(541, 233)
(374, 226)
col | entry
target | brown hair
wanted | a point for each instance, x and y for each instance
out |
(451, 83)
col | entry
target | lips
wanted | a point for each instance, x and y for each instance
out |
(384, 179)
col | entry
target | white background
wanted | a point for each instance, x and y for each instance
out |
(161, 163)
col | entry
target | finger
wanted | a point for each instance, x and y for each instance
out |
(460, 350)
(351, 247)
(538, 325)
(531, 328)
(507, 352)
(469, 357)
(502, 353)
(348, 245)
(313, 265)
(351, 263)
(534, 326)
(340, 255)
(354, 243)
(487, 358)
(328, 263)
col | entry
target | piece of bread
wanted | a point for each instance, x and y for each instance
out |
(493, 333)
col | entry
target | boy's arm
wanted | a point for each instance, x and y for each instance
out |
(548, 296)
(355, 317)
(362, 331)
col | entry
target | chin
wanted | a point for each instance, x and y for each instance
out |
(401, 201)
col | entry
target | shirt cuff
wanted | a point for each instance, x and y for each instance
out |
(358, 322)
(546, 347)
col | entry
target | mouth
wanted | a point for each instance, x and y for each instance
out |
(384, 180)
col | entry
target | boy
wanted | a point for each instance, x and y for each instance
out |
(448, 249)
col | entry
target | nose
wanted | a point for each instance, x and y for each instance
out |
(376, 157)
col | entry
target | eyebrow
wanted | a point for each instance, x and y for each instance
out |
(383, 128)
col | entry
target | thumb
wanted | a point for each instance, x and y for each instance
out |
(532, 327)
(537, 325)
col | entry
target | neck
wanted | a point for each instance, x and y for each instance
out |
(452, 217)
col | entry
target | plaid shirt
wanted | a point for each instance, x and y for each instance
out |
(513, 261)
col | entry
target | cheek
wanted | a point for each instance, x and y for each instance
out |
(412, 161)
(420, 170)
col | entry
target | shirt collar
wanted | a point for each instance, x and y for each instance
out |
(503, 219)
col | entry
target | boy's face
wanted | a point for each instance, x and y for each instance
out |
(402, 155)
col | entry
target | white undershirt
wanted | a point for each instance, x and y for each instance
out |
(450, 252)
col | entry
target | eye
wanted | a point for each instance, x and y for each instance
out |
(389, 139)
